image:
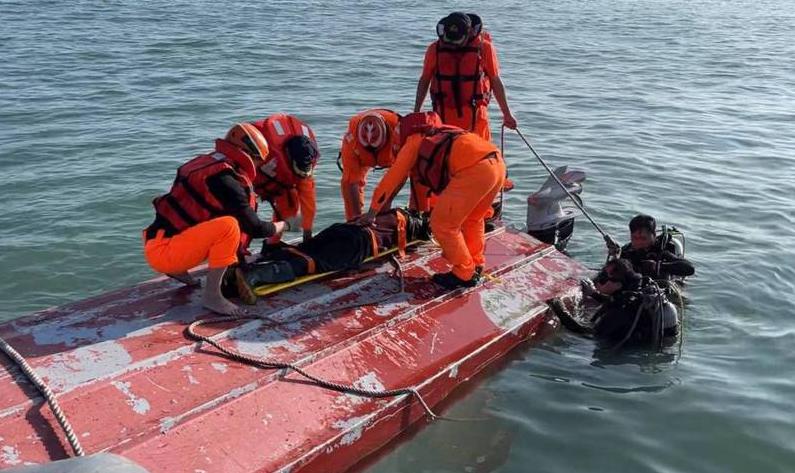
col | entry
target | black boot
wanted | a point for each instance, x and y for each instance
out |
(451, 281)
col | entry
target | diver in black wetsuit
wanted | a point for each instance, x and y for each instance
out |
(633, 308)
(339, 247)
(647, 255)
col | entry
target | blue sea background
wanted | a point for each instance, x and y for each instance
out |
(682, 109)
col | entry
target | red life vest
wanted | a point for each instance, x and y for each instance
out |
(431, 168)
(277, 129)
(190, 201)
(459, 79)
(417, 122)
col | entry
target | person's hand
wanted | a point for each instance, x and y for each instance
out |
(280, 227)
(366, 219)
(307, 235)
(588, 287)
(613, 248)
(509, 121)
(648, 267)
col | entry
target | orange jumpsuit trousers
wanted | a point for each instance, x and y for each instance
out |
(215, 240)
(457, 220)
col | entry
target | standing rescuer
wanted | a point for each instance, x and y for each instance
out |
(465, 171)
(210, 214)
(462, 70)
(286, 179)
(369, 143)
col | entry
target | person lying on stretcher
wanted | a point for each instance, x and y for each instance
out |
(342, 246)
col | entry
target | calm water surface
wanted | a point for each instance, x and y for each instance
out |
(683, 109)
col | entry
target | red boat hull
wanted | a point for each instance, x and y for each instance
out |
(133, 384)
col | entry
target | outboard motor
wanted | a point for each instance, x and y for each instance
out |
(550, 212)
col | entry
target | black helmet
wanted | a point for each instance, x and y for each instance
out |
(455, 28)
(477, 24)
(303, 155)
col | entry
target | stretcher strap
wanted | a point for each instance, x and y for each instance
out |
(401, 234)
(310, 263)
(374, 240)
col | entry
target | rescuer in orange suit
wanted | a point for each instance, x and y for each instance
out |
(286, 179)
(210, 214)
(461, 69)
(465, 171)
(368, 143)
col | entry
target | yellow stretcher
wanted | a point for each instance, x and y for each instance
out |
(267, 289)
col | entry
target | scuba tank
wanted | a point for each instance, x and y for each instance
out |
(671, 237)
(663, 315)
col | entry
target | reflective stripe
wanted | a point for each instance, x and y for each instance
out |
(401, 233)
(218, 156)
(305, 130)
(278, 126)
(374, 242)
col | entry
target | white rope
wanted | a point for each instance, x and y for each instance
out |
(49, 396)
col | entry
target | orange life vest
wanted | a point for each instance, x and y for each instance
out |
(190, 201)
(459, 79)
(277, 129)
(431, 168)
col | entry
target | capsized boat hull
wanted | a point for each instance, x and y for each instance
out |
(133, 384)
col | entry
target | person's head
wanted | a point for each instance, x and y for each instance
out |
(302, 154)
(417, 122)
(477, 25)
(372, 131)
(617, 274)
(455, 29)
(642, 231)
(246, 138)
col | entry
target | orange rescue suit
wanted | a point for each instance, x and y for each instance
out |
(190, 202)
(276, 182)
(357, 160)
(475, 173)
(194, 224)
(460, 82)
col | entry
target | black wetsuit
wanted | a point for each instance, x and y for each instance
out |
(339, 247)
(669, 266)
(614, 319)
